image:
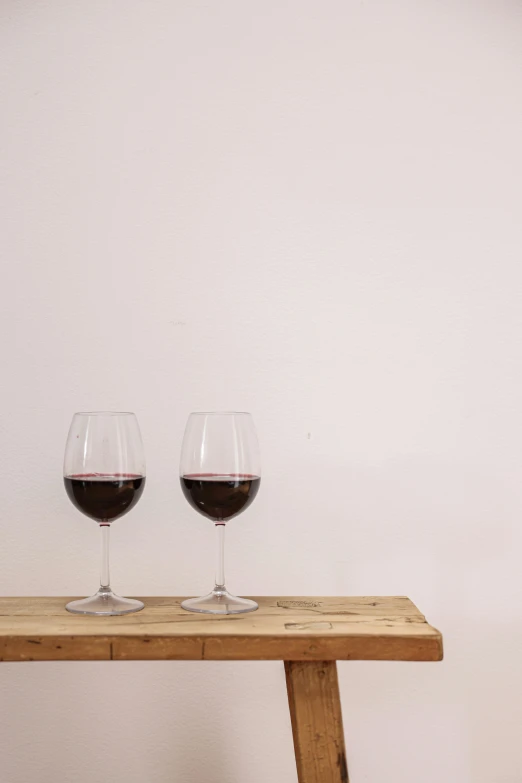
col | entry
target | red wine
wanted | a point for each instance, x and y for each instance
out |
(219, 496)
(104, 497)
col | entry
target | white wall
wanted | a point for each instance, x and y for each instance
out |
(310, 210)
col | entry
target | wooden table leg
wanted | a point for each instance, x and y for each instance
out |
(317, 724)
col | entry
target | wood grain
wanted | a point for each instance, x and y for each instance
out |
(317, 725)
(283, 628)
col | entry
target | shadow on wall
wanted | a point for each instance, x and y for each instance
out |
(461, 711)
(145, 721)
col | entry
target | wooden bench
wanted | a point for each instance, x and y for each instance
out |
(308, 634)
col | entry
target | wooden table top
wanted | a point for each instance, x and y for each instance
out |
(302, 628)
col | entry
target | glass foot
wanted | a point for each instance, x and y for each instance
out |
(105, 602)
(219, 602)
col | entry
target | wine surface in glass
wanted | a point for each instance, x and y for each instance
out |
(104, 497)
(220, 496)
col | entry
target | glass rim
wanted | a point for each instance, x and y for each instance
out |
(104, 413)
(220, 413)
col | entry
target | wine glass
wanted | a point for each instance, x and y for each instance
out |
(104, 477)
(220, 474)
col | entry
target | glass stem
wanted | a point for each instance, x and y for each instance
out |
(220, 558)
(105, 582)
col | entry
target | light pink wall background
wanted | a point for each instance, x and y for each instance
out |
(310, 210)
